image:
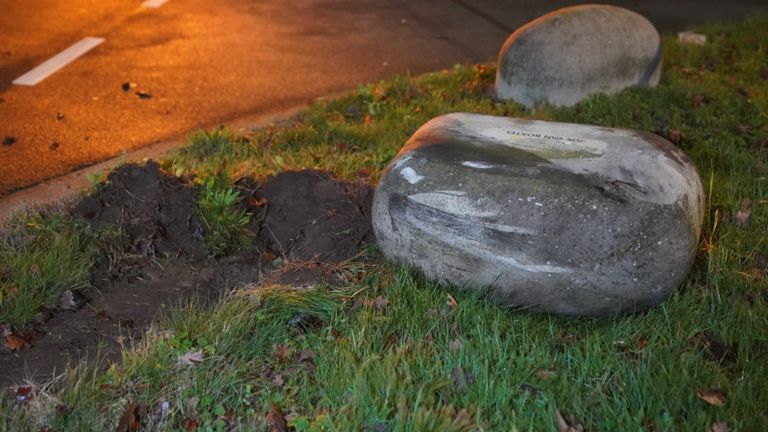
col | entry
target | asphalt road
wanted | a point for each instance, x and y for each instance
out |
(210, 62)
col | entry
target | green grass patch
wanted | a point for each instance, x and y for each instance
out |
(40, 258)
(392, 351)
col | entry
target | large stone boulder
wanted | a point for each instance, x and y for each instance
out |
(552, 217)
(568, 54)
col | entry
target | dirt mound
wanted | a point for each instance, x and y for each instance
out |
(304, 224)
(158, 212)
(311, 216)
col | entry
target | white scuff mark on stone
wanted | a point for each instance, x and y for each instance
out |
(478, 165)
(399, 162)
(507, 228)
(533, 268)
(452, 192)
(538, 204)
(411, 175)
(450, 203)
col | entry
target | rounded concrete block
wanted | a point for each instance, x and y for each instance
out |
(552, 217)
(566, 55)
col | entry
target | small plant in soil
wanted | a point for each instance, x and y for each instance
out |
(226, 222)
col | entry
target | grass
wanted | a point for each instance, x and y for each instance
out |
(391, 351)
(40, 258)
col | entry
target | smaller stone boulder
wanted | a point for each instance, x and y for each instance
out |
(566, 55)
(551, 217)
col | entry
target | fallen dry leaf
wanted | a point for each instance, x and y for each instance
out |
(697, 99)
(675, 136)
(719, 427)
(455, 345)
(16, 342)
(102, 315)
(307, 358)
(23, 395)
(689, 37)
(282, 353)
(189, 425)
(190, 358)
(276, 419)
(571, 425)
(462, 377)
(546, 374)
(451, 302)
(379, 303)
(258, 202)
(714, 397)
(741, 217)
(131, 418)
(753, 275)
(278, 380)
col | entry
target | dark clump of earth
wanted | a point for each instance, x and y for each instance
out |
(309, 215)
(304, 226)
(157, 212)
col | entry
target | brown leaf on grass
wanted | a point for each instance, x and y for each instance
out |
(379, 303)
(455, 345)
(462, 377)
(754, 275)
(697, 99)
(451, 302)
(282, 353)
(257, 202)
(189, 425)
(131, 419)
(714, 397)
(276, 419)
(715, 349)
(719, 427)
(569, 425)
(675, 136)
(741, 217)
(268, 256)
(278, 380)
(307, 358)
(24, 394)
(746, 203)
(16, 342)
(190, 358)
(102, 315)
(546, 374)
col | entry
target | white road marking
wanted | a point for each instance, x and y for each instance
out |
(153, 3)
(48, 67)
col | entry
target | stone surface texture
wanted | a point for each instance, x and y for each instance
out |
(568, 54)
(551, 217)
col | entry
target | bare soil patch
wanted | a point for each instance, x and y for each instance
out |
(305, 225)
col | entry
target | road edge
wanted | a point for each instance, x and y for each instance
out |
(66, 186)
